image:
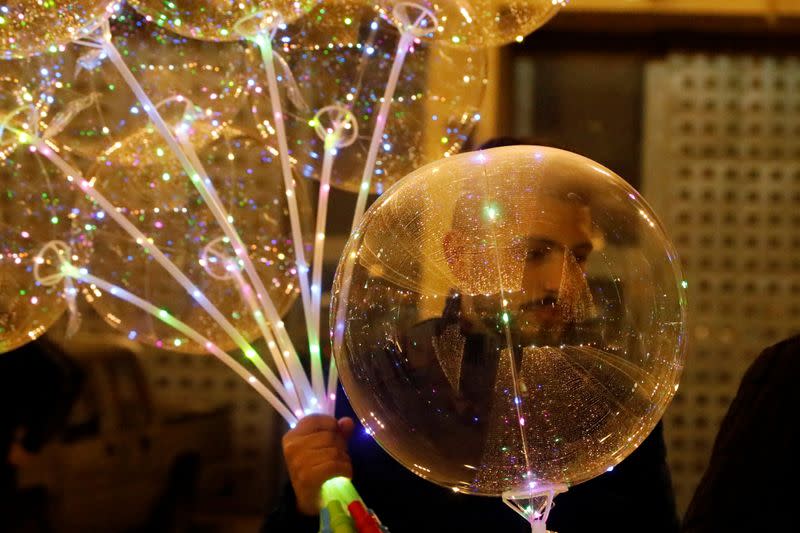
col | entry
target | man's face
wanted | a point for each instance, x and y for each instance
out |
(541, 268)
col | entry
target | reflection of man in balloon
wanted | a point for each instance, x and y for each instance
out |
(540, 244)
(540, 249)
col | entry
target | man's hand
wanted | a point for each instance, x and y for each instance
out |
(316, 451)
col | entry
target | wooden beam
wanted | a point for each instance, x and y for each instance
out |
(722, 8)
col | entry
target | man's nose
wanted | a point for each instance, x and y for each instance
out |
(552, 271)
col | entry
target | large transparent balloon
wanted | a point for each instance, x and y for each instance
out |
(509, 318)
(215, 20)
(35, 208)
(341, 56)
(142, 178)
(29, 27)
(481, 22)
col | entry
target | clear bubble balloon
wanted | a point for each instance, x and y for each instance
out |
(509, 318)
(35, 208)
(341, 57)
(215, 20)
(480, 22)
(144, 179)
(30, 27)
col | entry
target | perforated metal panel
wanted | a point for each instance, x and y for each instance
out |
(722, 169)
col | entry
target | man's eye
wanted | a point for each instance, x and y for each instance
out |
(538, 254)
(581, 258)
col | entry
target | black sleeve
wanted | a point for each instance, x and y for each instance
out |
(285, 518)
(636, 496)
(755, 452)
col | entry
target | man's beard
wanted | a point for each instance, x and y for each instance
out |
(534, 323)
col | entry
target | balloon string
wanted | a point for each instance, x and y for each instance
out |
(72, 175)
(319, 239)
(406, 39)
(81, 275)
(285, 345)
(265, 46)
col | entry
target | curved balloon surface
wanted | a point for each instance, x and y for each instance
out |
(216, 20)
(30, 27)
(36, 208)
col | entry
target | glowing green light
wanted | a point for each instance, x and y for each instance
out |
(165, 176)
(456, 39)
(160, 152)
(223, 32)
(170, 5)
(54, 220)
(2, 20)
(162, 314)
(53, 49)
(348, 21)
(505, 317)
(312, 123)
(685, 284)
(24, 138)
(177, 342)
(444, 140)
(314, 349)
(22, 292)
(491, 212)
(251, 353)
(177, 22)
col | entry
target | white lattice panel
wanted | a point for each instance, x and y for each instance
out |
(722, 168)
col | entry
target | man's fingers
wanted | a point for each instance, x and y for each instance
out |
(321, 473)
(346, 427)
(317, 442)
(312, 424)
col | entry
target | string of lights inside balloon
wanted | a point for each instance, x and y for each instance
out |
(293, 395)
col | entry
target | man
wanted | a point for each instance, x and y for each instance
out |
(460, 366)
(755, 452)
(38, 386)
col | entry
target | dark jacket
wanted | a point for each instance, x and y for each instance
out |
(750, 481)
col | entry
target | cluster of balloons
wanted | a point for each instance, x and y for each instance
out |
(502, 319)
